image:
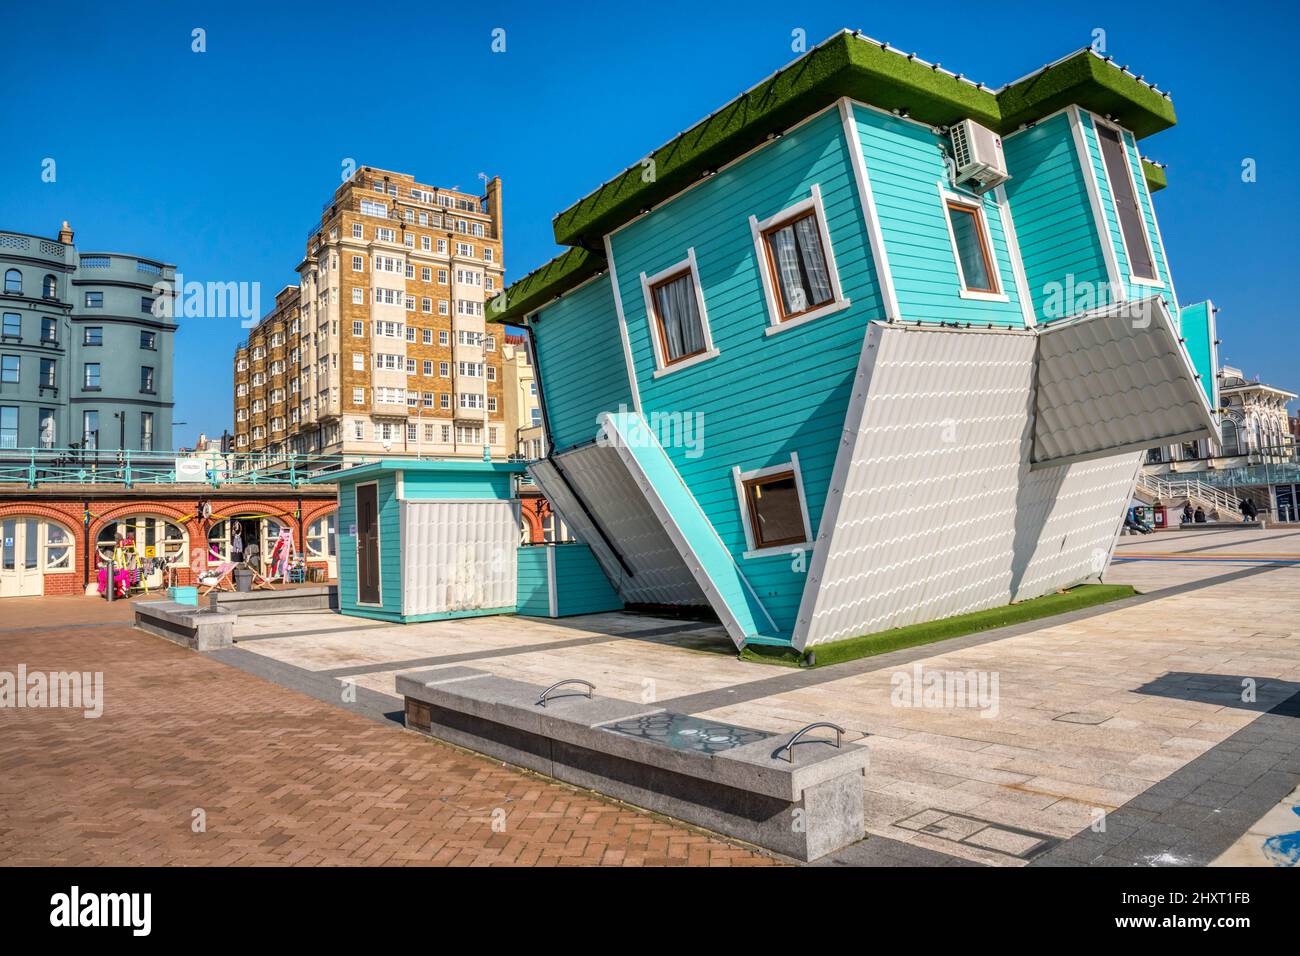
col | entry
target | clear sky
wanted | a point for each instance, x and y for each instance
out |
(219, 161)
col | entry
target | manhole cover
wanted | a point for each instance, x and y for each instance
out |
(1082, 717)
(985, 834)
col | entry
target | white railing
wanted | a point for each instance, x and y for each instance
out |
(1174, 489)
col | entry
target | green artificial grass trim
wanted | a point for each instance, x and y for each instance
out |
(846, 65)
(1154, 175)
(1092, 83)
(842, 66)
(914, 635)
(567, 270)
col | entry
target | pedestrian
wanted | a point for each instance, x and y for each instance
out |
(1187, 513)
(1251, 511)
(1200, 516)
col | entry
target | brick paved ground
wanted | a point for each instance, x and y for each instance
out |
(282, 778)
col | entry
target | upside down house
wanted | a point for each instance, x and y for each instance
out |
(871, 345)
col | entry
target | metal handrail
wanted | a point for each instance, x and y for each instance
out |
(789, 753)
(81, 466)
(541, 701)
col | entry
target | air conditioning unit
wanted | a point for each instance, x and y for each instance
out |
(977, 155)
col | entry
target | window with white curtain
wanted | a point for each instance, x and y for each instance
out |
(798, 265)
(675, 306)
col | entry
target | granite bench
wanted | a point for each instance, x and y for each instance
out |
(798, 794)
(198, 628)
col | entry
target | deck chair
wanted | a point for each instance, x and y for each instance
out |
(261, 582)
(224, 582)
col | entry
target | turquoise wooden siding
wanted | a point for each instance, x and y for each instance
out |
(390, 571)
(1196, 329)
(721, 566)
(445, 486)
(347, 543)
(580, 585)
(906, 167)
(1055, 228)
(581, 363)
(763, 396)
(1131, 289)
(533, 589)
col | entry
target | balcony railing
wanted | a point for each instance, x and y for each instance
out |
(1262, 466)
(32, 467)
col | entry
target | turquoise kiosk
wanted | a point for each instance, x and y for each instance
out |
(428, 540)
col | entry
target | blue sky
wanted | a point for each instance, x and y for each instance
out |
(219, 161)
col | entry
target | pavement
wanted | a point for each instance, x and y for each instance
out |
(1118, 734)
(1160, 730)
(194, 762)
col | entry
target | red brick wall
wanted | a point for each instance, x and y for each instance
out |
(180, 511)
(532, 508)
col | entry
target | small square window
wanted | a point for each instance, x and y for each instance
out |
(94, 300)
(772, 504)
(677, 317)
(797, 263)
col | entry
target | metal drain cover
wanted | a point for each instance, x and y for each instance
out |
(985, 834)
(1082, 717)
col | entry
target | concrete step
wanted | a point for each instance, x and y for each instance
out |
(312, 597)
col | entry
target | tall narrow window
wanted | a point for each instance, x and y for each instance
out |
(48, 427)
(146, 431)
(677, 318)
(974, 260)
(798, 264)
(90, 430)
(9, 426)
(1127, 209)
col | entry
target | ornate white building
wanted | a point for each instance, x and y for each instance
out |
(1255, 416)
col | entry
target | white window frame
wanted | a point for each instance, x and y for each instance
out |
(379, 543)
(1155, 283)
(740, 477)
(771, 291)
(978, 204)
(690, 265)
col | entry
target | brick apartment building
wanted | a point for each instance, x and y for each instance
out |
(382, 346)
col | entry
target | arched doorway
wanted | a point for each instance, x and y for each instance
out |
(232, 538)
(322, 543)
(152, 544)
(31, 548)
